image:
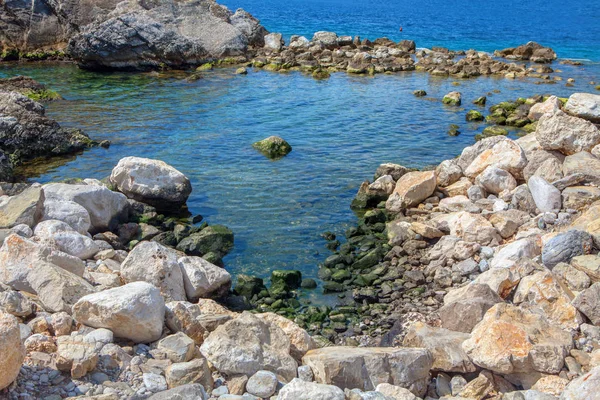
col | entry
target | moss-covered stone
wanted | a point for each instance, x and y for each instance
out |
(368, 260)
(241, 71)
(480, 101)
(452, 99)
(474, 115)
(308, 283)
(320, 74)
(273, 147)
(205, 67)
(248, 286)
(453, 130)
(529, 128)
(289, 278)
(215, 238)
(341, 275)
(507, 106)
(491, 131)
(42, 95)
(333, 287)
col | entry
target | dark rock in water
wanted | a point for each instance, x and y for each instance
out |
(249, 286)
(491, 131)
(474, 115)
(530, 51)
(273, 147)
(285, 280)
(217, 239)
(480, 101)
(308, 283)
(6, 171)
(453, 130)
(420, 93)
(564, 246)
(26, 133)
(333, 287)
(143, 35)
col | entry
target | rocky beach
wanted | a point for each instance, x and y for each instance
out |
(475, 278)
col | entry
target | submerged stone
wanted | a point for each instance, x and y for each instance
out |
(273, 147)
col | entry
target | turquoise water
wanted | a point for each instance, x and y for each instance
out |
(572, 28)
(341, 129)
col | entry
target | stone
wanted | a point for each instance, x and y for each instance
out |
(585, 164)
(298, 389)
(262, 384)
(564, 246)
(396, 171)
(448, 172)
(567, 134)
(452, 98)
(56, 288)
(473, 228)
(134, 311)
(156, 264)
(14, 303)
(584, 105)
(185, 317)
(581, 387)
(237, 385)
(470, 153)
(445, 347)
(551, 384)
(203, 279)
(178, 347)
(154, 382)
(543, 294)
(579, 197)
(305, 373)
(395, 392)
(383, 186)
(460, 187)
(273, 147)
(523, 200)
(248, 344)
(458, 203)
(507, 222)
(512, 340)
(588, 302)
(216, 239)
(464, 308)
(185, 373)
(365, 368)
(550, 106)
(501, 280)
(69, 212)
(150, 181)
(100, 335)
(194, 391)
(75, 355)
(505, 154)
(411, 189)
(11, 348)
(60, 235)
(274, 42)
(25, 208)
(428, 232)
(105, 207)
(550, 170)
(574, 278)
(495, 180)
(547, 198)
(300, 340)
(588, 264)
(535, 160)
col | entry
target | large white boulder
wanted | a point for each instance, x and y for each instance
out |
(248, 344)
(550, 106)
(104, 206)
(300, 340)
(495, 180)
(298, 389)
(11, 349)
(585, 387)
(547, 197)
(506, 155)
(156, 264)
(566, 134)
(411, 189)
(62, 236)
(151, 181)
(135, 311)
(69, 212)
(584, 105)
(203, 279)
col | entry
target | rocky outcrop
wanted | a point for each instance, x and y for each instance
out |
(529, 51)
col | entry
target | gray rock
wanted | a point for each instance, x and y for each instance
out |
(495, 180)
(588, 302)
(262, 384)
(567, 134)
(274, 42)
(583, 164)
(203, 279)
(24, 208)
(193, 391)
(547, 198)
(523, 200)
(298, 389)
(565, 246)
(584, 105)
(584, 386)
(465, 307)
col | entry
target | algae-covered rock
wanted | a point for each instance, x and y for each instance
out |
(420, 93)
(273, 147)
(474, 115)
(452, 99)
(491, 131)
(217, 239)
(480, 101)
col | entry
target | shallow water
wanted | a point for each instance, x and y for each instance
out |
(341, 129)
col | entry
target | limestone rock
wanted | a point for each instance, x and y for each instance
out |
(495, 180)
(584, 105)
(185, 317)
(203, 279)
(300, 340)
(11, 348)
(152, 182)
(473, 228)
(395, 392)
(156, 264)
(588, 264)
(105, 207)
(193, 391)
(579, 197)
(567, 134)
(512, 340)
(445, 347)
(185, 373)
(411, 189)
(469, 154)
(505, 154)
(588, 302)
(248, 344)
(547, 198)
(452, 98)
(365, 368)
(550, 106)
(178, 347)
(274, 42)
(583, 163)
(262, 384)
(523, 200)
(63, 237)
(69, 212)
(575, 279)
(465, 307)
(76, 355)
(448, 172)
(134, 311)
(298, 389)
(582, 387)
(564, 246)
(24, 208)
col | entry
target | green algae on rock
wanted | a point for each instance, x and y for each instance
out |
(474, 115)
(273, 147)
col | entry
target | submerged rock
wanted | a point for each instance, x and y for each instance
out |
(452, 99)
(273, 147)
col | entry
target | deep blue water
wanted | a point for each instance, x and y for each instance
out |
(572, 28)
(341, 129)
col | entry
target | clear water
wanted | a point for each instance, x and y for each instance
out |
(341, 129)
